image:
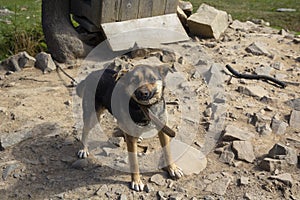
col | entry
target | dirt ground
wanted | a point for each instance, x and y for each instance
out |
(38, 125)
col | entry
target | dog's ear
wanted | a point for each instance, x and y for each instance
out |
(163, 70)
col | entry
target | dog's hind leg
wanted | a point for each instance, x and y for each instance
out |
(136, 183)
(90, 119)
(173, 170)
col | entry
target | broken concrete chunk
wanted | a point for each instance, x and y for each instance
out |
(278, 126)
(45, 62)
(208, 22)
(285, 178)
(258, 49)
(18, 62)
(295, 119)
(244, 150)
(270, 164)
(253, 91)
(219, 187)
(234, 133)
(280, 151)
(186, 6)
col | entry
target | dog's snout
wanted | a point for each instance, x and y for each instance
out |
(143, 94)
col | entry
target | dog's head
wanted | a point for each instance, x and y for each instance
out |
(146, 83)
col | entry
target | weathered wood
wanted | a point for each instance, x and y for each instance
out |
(109, 10)
(129, 9)
(158, 7)
(171, 6)
(145, 8)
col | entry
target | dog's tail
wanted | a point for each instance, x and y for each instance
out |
(80, 88)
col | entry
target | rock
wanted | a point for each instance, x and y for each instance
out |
(244, 150)
(161, 195)
(280, 151)
(8, 170)
(18, 62)
(278, 127)
(227, 157)
(80, 164)
(285, 178)
(258, 49)
(219, 186)
(186, 6)
(295, 119)
(148, 188)
(158, 180)
(277, 65)
(45, 62)
(263, 128)
(101, 190)
(176, 196)
(234, 133)
(243, 26)
(208, 22)
(244, 180)
(270, 164)
(117, 141)
(182, 17)
(214, 75)
(294, 103)
(123, 197)
(263, 70)
(253, 91)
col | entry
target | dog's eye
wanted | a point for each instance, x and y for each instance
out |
(152, 79)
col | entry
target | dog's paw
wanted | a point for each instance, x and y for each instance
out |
(175, 171)
(83, 153)
(137, 185)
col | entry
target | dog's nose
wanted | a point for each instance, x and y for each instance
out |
(144, 94)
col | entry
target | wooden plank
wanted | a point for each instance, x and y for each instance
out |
(110, 11)
(171, 6)
(129, 10)
(145, 8)
(158, 7)
(145, 32)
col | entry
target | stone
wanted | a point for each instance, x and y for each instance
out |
(186, 6)
(182, 17)
(294, 103)
(244, 150)
(258, 49)
(123, 197)
(234, 133)
(263, 128)
(158, 180)
(244, 180)
(219, 186)
(277, 65)
(101, 190)
(214, 75)
(117, 141)
(253, 91)
(18, 62)
(176, 196)
(8, 171)
(278, 126)
(80, 164)
(271, 165)
(285, 178)
(242, 26)
(280, 151)
(227, 157)
(161, 195)
(45, 62)
(208, 22)
(295, 119)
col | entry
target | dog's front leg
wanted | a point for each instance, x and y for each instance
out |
(173, 170)
(136, 183)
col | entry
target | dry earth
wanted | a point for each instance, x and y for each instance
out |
(40, 136)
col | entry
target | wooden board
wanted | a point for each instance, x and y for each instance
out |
(129, 10)
(158, 7)
(144, 32)
(110, 10)
(171, 6)
(145, 8)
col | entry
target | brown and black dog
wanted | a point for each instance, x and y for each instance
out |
(143, 86)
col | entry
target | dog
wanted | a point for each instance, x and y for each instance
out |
(123, 96)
